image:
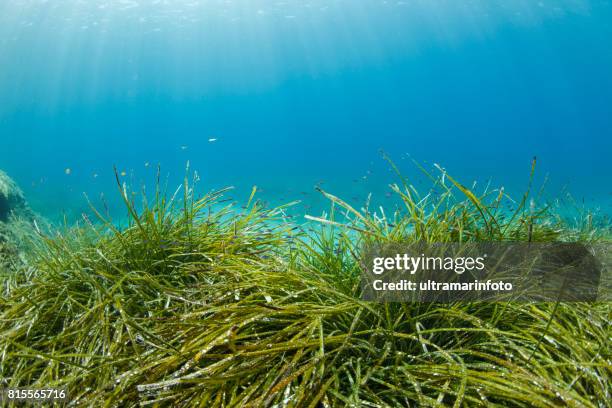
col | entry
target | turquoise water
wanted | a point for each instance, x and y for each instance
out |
(289, 94)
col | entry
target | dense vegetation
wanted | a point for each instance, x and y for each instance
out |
(196, 304)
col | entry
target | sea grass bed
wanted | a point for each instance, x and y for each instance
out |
(196, 304)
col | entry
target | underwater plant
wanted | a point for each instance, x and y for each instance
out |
(194, 303)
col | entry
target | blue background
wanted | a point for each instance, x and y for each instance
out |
(300, 92)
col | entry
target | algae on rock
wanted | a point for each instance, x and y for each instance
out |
(16, 221)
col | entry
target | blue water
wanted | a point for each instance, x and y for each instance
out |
(301, 92)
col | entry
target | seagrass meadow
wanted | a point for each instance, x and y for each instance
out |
(194, 302)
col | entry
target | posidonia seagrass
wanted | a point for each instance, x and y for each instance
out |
(195, 304)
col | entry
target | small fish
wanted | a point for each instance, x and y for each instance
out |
(68, 171)
(95, 175)
(184, 147)
(123, 174)
(212, 140)
(146, 164)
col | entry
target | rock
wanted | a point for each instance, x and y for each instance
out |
(16, 222)
(12, 202)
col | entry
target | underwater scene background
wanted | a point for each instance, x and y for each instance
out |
(291, 94)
